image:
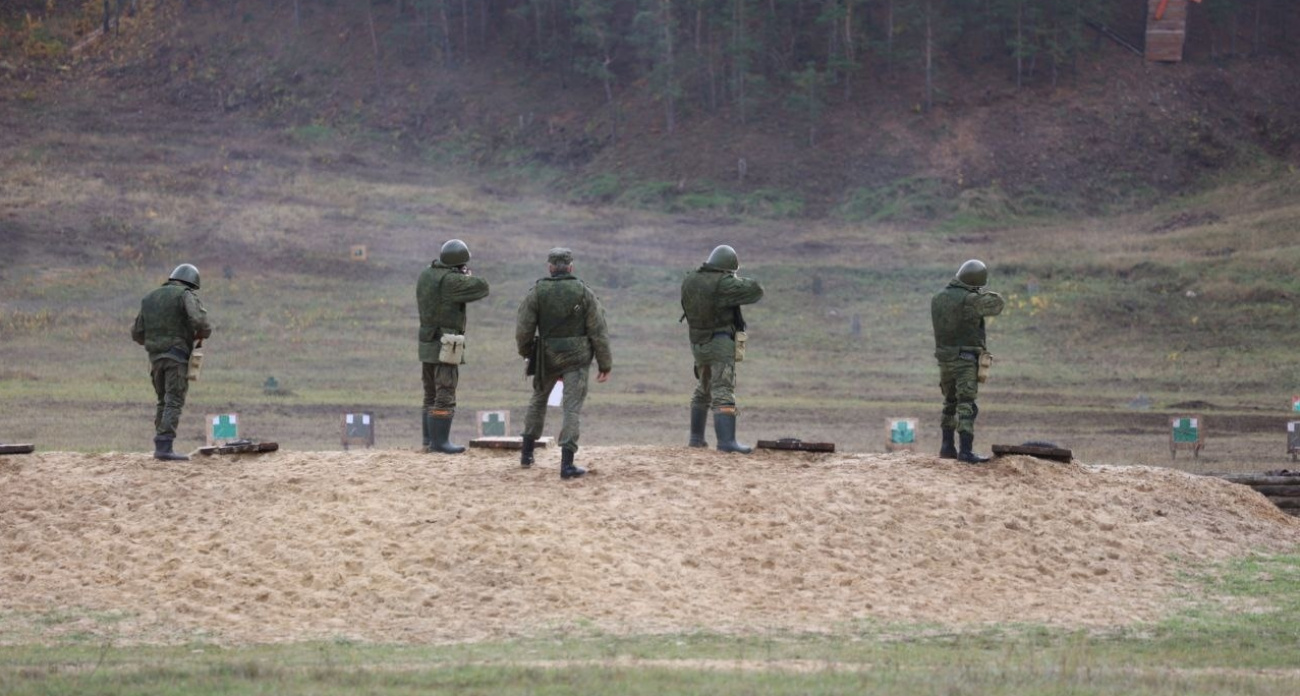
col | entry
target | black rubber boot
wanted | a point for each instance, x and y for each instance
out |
(724, 426)
(966, 455)
(440, 432)
(699, 416)
(424, 422)
(526, 452)
(948, 450)
(567, 469)
(162, 449)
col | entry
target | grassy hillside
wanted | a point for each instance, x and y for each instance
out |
(1110, 133)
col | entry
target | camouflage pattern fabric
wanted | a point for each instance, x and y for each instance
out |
(441, 294)
(571, 323)
(715, 384)
(958, 313)
(957, 381)
(440, 385)
(170, 384)
(575, 393)
(710, 297)
(171, 319)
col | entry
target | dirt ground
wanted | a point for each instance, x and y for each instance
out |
(394, 546)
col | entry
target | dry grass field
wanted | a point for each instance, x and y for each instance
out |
(1190, 305)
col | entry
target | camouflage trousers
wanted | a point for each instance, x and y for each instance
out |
(958, 380)
(575, 393)
(715, 373)
(170, 385)
(440, 382)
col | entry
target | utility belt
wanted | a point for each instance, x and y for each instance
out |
(983, 360)
(740, 337)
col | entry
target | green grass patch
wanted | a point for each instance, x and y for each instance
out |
(1236, 636)
(910, 199)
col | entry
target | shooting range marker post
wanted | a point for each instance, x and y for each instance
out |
(1293, 439)
(222, 427)
(494, 423)
(494, 432)
(358, 429)
(358, 253)
(900, 434)
(1186, 433)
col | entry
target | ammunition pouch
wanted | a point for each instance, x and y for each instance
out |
(985, 364)
(452, 350)
(741, 339)
(195, 366)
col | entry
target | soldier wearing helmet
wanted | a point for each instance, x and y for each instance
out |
(711, 299)
(443, 290)
(958, 313)
(170, 325)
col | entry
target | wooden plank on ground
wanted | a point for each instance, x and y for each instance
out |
(240, 448)
(793, 444)
(17, 449)
(1291, 491)
(506, 443)
(1042, 452)
(1248, 479)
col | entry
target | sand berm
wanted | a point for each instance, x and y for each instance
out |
(395, 546)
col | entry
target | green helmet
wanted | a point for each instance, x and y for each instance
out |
(724, 257)
(454, 253)
(974, 273)
(187, 274)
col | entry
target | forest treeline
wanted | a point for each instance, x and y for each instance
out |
(712, 54)
(735, 54)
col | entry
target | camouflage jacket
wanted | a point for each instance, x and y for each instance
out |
(710, 298)
(171, 319)
(442, 293)
(958, 313)
(570, 321)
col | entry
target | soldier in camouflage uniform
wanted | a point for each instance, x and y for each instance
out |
(170, 325)
(711, 299)
(958, 313)
(444, 288)
(560, 328)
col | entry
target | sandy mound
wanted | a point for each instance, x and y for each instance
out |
(395, 546)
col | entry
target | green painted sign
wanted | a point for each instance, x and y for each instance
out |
(225, 427)
(1187, 430)
(494, 426)
(902, 433)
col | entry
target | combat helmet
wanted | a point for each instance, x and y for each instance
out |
(724, 257)
(973, 273)
(186, 273)
(454, 253)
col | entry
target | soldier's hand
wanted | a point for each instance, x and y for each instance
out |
(602, 376)
(466, 271)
